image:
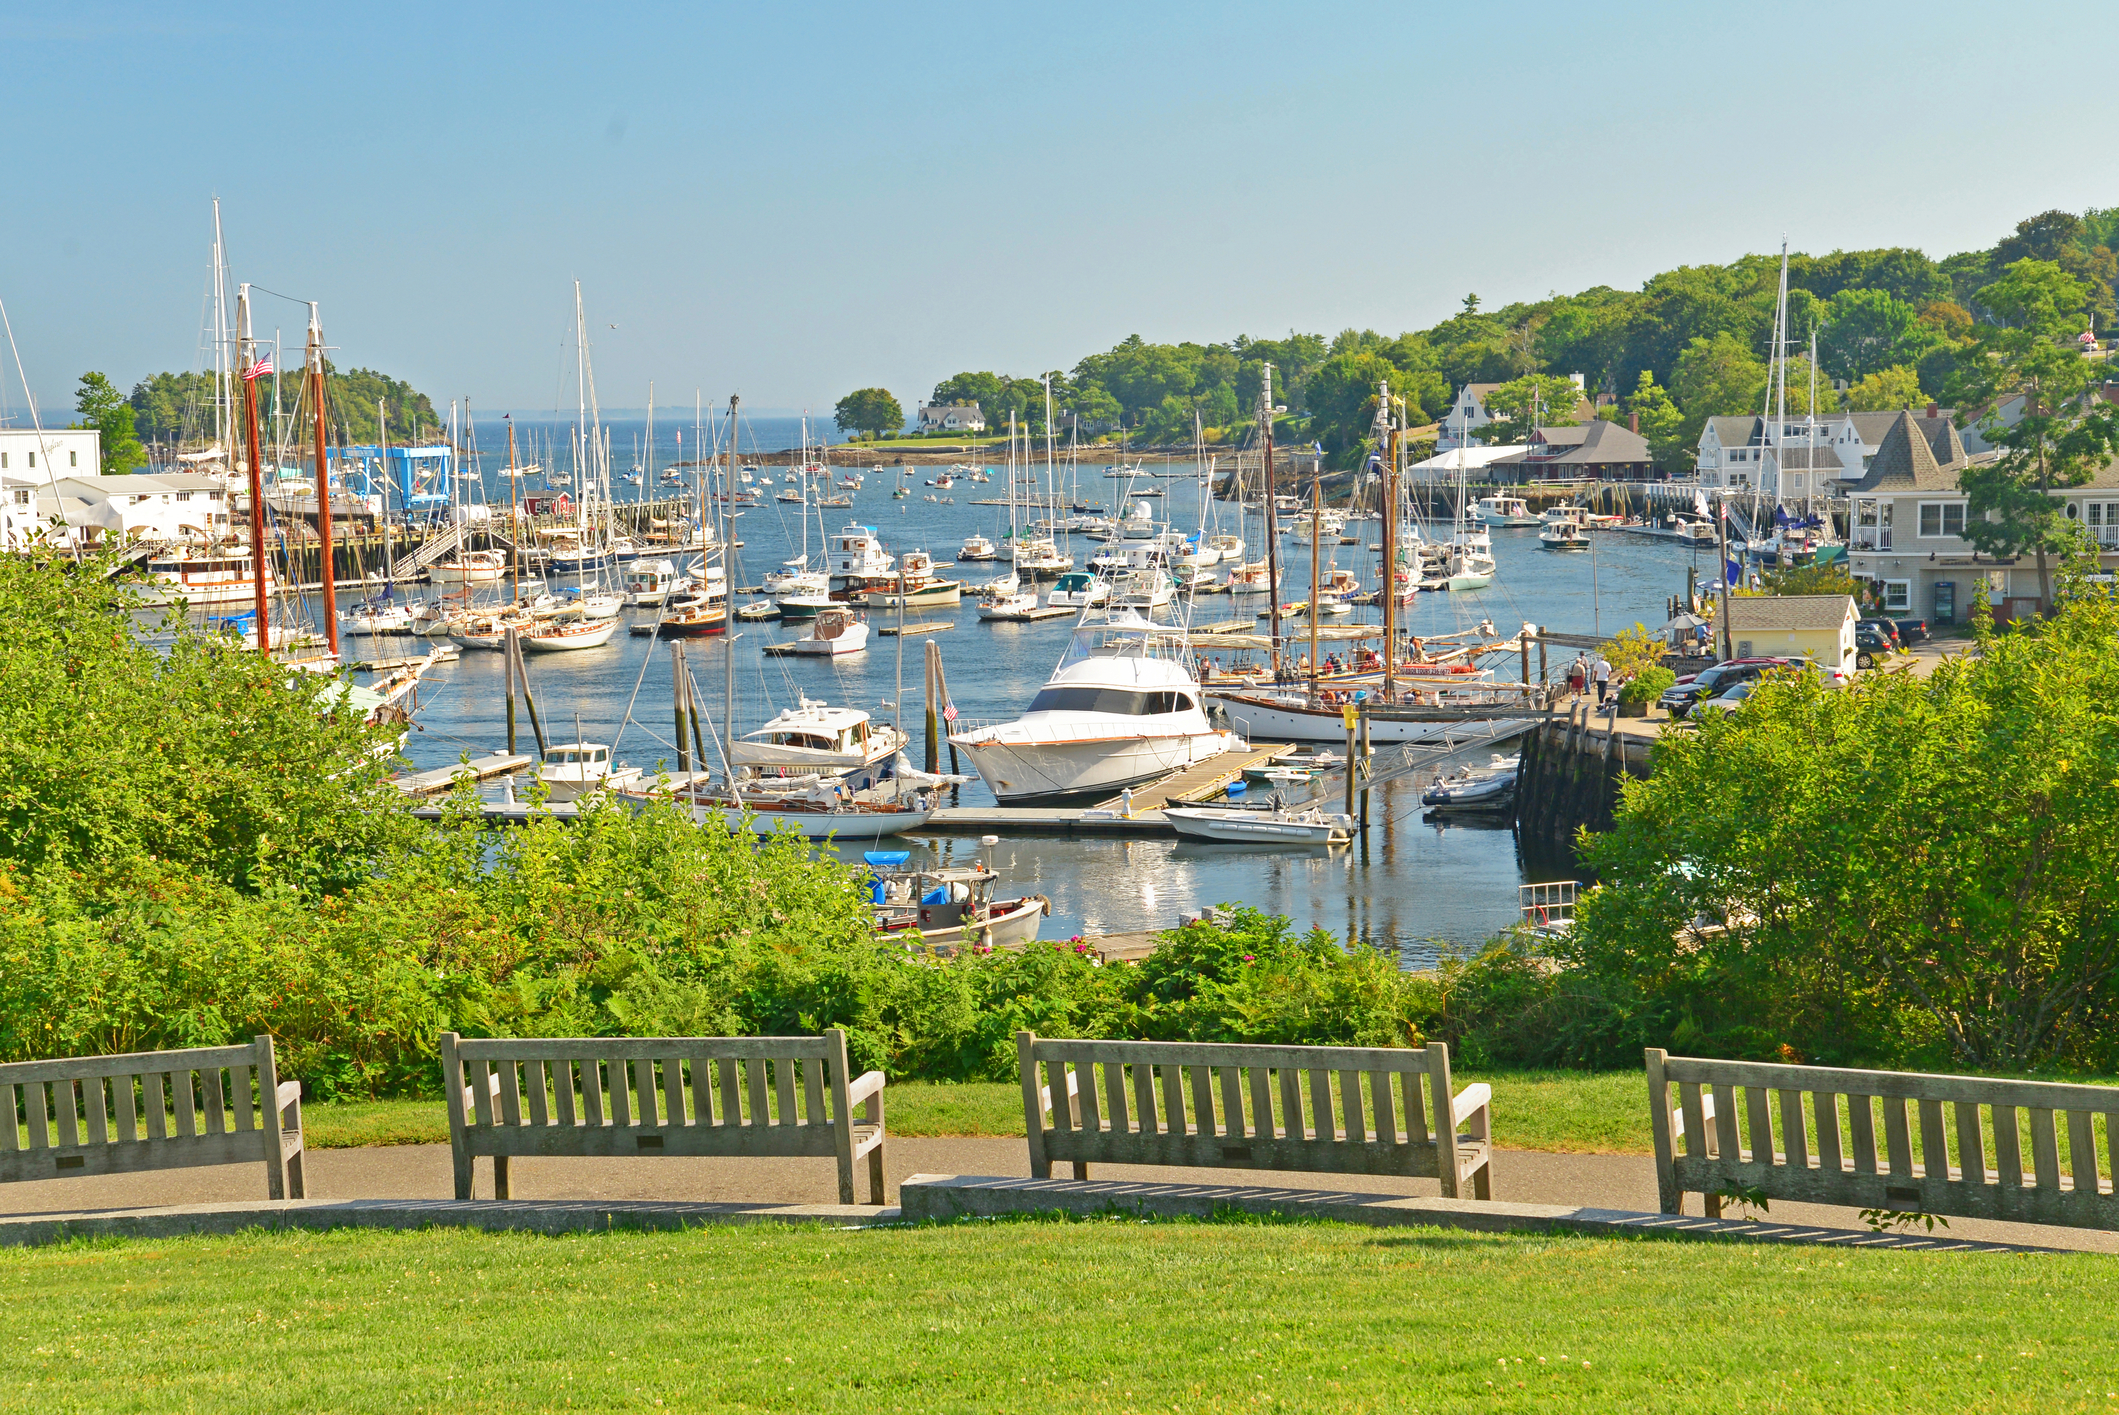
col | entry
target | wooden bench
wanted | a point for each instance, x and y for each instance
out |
(1952, 1145)
(757, 1097)
(149, 1110)
(1206, 1105)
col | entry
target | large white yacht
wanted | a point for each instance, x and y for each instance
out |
(857, 555)
(816, 739)
(1122, 707)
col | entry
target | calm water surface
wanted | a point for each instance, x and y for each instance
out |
(1410, 883)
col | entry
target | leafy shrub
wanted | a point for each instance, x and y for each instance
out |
(1647, 686)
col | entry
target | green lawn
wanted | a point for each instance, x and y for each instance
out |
(1042, 1315)
(1598, 1112)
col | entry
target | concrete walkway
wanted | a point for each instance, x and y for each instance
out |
(422, 1172)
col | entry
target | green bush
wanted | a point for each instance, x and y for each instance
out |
(1647, 685)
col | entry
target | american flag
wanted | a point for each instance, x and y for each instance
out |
(259, 369)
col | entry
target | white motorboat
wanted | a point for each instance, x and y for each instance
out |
(1473, 788)
(383, 618)
(470, 567)
(599, 604)
(649, 582)
(1564, 535)
(1121, 707)
(815, 738)
(1007, 599)
(1310, 826)
(1078, 589)
(857, 555)
(977, 547)
(836, 630)
(1251, 578)
(949, 909)
(1500, 510)
(574, 771)
(1226, 548)
(1040, 559)
(916, 585)
(1139, 523)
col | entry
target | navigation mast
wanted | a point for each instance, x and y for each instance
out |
(247, 357)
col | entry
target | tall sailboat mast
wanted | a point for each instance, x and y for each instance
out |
(1265, 426)
(223, 429)
(1387, 439)
(728, 626)
(326, 566)
(247, 357)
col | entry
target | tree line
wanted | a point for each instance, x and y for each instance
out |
(1893, 326)
(176, 409)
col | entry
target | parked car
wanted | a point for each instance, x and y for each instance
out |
(1871, 645)
(1886, 627)
(1911, 631)
(1724, 701)
(1678, 699)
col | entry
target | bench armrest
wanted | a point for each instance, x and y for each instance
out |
(471, 1098)
(863, 1087)
(289, 1091)
(1470, 1101)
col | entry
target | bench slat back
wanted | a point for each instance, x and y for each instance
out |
(138, 1111)
(759, 1095)
(1348, 1110)
(1948, 1145)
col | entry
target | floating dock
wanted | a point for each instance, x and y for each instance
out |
(1027, 616)
(1194, 783)
(433, 783)
(932, 626)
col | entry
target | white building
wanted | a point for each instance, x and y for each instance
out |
(28, 454)
(1460, 425)
(951, 417)
(90, 510)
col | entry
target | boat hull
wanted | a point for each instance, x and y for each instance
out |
(1226, 827)
(1017, 927)
(1023, 773)
(815, 825)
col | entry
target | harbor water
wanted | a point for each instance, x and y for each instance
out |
(1411, 884)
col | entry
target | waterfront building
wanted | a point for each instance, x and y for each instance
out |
(29, 455)
(1907, 515)
(1815, 626)
(951, 417)
(1592, 451)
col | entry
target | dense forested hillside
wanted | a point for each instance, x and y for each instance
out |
(1689, 344)
(178, 407)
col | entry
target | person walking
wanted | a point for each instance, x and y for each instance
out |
(1578, 675)
(1603, 674)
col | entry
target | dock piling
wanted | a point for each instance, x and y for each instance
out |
(678, 696)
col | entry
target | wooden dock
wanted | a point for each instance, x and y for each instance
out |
(432, 783)
(931, 626)
(1028, 616)
(1042, 820)
(385, 665)
(1199, 781)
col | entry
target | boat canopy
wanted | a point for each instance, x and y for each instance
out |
(885, 859)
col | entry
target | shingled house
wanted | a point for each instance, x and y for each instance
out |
(1591, 451)
(1908, 516)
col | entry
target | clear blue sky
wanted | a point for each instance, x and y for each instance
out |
(791, 201)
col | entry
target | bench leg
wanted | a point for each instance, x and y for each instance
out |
(1483, 1179)
(462, 1160)
(1711, 1204)
(296, 1189)
(875, 1175)
(500, 1176)
(1081, 1169)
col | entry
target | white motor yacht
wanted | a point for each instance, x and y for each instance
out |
(1500, 510)
(205, 579)
(470, 567)
(837, 630)
(857, 555)
(1078, 589)
(649, 582)
(1278, 826)
(1006, 599)
(977, 547)
(1122, 707)
(572, 771)
(816, 739)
